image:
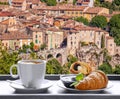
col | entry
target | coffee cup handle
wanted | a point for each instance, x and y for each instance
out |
(11, 73)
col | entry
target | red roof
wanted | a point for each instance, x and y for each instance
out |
(14, 36)
(5, 13)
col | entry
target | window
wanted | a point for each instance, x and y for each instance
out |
(76, 12)
(80, 12)
(36, 36)
(36, 41)
(62, 11)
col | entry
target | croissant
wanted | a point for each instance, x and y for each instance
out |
(95, 80)
(80, 67)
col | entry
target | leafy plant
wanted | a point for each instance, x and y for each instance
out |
(78, 78)
(106, 67)
(99, 21)
(83, 20)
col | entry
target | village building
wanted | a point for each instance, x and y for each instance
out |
(54, 38)
(19, 4)
(15, 40)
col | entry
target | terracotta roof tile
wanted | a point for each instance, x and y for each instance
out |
(93, 10)
(109, 37)
(20, 1)
(15, 35)
(5, 13)
(62, 7)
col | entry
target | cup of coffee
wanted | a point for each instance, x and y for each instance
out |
(30, 72)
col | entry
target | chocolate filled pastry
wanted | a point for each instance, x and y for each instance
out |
(95, 80)
(80, 67)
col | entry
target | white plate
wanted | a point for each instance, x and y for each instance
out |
(60, 84)
(17, 85)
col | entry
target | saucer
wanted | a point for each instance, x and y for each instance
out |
(60, 84)
(17, 85)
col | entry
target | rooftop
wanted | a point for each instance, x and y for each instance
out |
(15, 35)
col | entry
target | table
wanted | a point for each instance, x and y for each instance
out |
(56, 92)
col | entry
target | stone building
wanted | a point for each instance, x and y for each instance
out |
(19, 4)
(54, 38)
(4, 15)
(86, 35)
(38, 36)
(73, 11)
(15, 40)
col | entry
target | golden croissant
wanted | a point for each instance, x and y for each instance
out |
(95, 80)
(80, 67)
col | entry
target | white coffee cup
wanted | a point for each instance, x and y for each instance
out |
(30, 72)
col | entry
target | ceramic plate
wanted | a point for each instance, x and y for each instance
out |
(17, 85)
(60, 84)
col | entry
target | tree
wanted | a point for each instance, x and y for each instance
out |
(83, 20)
(6, 60)
(74, 2)
(102, 42)
(31, 46)
(71, 59)
(33, 55)
(51, 2)
(43, 0)
(116, 2)
(99, 21)
(106, 67)
(53, 67)
(117, 69)
(43, 46)
(106, 56)
(115, 28)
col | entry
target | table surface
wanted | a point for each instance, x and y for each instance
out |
(56, 92)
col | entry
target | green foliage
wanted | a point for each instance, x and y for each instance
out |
(27, 48)
(115, 21)
(6, 60)
(65, 69)
(74, 2)
(43, 46)
(51, 2)
(117, 69)
(43, 0)
(106, 67)
(53, 67)
(84, 44)
(83, 20)
(31, 46)
(102, 42)
(106, 56)
(99, 21)
(33, 55)
(4, 3)
(71, 59)
(115, 28)
(114, 6)
(116, 2)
